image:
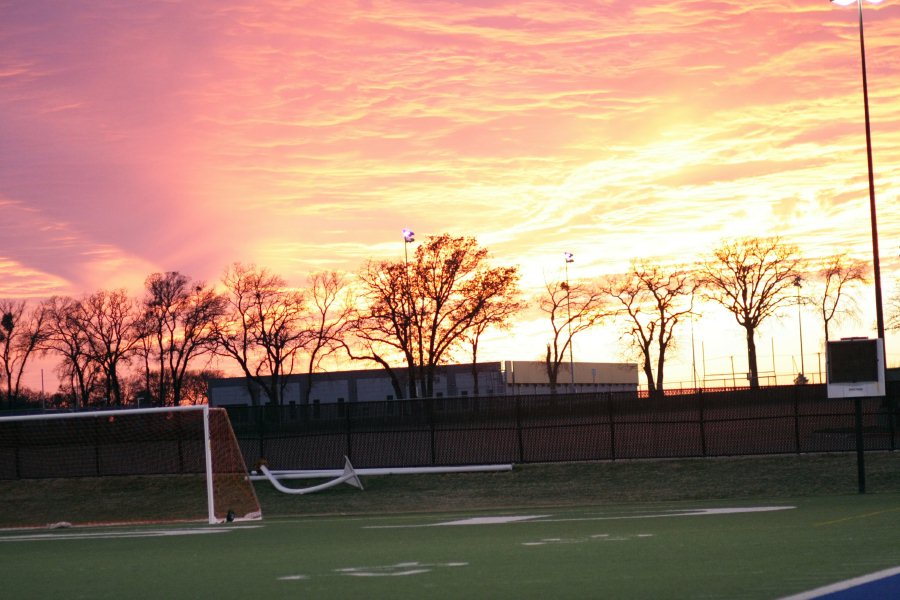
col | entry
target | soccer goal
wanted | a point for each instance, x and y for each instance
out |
(123, 466)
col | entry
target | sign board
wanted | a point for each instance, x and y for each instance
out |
(855, 368)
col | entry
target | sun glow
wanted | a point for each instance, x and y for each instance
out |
(303, 138)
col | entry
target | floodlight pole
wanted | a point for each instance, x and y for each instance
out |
(798, 283)
(409, 236)
(570, 258)
(876, 263)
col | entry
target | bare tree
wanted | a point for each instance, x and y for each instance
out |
(422, 310)
(22, 331)
(573, 307)
(382, 329)
(496, 314)
(328, 320)
(67, 337)
(654, 301)
(264, 327)
(838, 274)
(180, 321)
(751, 278)
(109, 320)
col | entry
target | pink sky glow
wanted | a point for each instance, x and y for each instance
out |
(138, 137)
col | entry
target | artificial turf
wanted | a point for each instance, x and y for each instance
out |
(632, 550)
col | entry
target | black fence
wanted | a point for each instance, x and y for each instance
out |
(597, 426)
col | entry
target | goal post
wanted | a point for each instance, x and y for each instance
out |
(123, 466)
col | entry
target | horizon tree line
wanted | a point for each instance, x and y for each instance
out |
(417, 313)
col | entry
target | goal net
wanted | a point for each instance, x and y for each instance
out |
(123, 466)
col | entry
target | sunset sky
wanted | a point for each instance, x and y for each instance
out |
(152, 135)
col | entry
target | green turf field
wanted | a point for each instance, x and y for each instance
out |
(655, 550)
(539, 532)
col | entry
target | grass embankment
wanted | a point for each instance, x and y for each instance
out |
(120, 499)
(591, 483)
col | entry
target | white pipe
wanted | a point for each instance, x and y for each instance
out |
(315, 474)
(348, 475)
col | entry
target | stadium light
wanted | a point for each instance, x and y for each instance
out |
(876, 263)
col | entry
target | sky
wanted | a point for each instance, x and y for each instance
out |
(167, 135)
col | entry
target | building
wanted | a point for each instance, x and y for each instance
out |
(451, 381)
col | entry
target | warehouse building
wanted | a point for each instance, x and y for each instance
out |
(451, 381)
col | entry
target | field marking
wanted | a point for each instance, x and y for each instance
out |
(855, 517)
(700, 512)
(398, 570)
(597, 537)
(844, 585)
(488, 520)
(499, 520)
(113, 535)
(403, 569)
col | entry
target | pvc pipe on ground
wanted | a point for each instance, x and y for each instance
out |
(348, 475)
(326, 473)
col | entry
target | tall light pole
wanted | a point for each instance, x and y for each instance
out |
(798, 283)
(409, 237)
(876, 263)
(570, 258)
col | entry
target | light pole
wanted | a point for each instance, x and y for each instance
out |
(570, 258)
(801, 378)
(876, 266)
(409, 236)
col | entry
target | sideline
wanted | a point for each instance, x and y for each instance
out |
(114, 535)
(881, 584)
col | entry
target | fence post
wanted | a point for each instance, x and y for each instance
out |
(701, 407)
(797, 418)
(860, 446)
(260, 429)
(429, 403)
(519, 429)
(891, 410)
(612, 426)
(348, 420)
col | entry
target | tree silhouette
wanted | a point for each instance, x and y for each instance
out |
(180, 323)
(67, 337)
(22, 332)
(751, 278)
(653, 300)
(422, 310)
(838, 274)
(572, 307)
(329, 317)
(263, 329)
(109, 321)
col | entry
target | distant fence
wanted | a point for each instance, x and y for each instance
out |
(565, 427)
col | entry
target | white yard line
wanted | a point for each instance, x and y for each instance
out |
(494, 520)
